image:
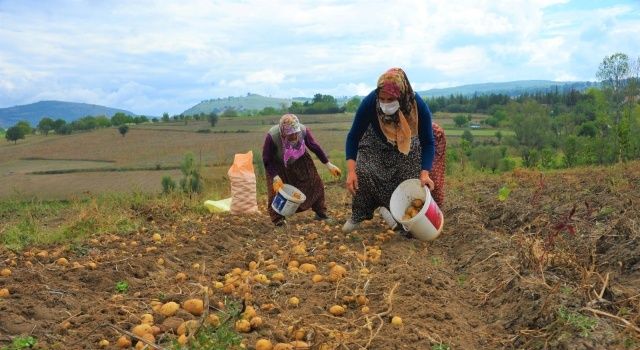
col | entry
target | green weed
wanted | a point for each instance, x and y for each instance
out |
(122, 287)
(582, 323)
(20, 343)
(440, 346)
(222, 337)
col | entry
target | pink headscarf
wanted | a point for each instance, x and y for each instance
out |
(289, 124)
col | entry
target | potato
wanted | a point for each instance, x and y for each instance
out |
(278, 277)
(264, 344)
(337, 273)
(283, 346)
(141, 329)
(146, 318)
(5, 273)
(256, 322)
(317, 278)
(365, 309)
(299, 345)
(156, 237)
(182, 340)
(362, 300)
(417, 203)
(308, 268)
(337, 310)
(213, 320)
(169, 309)
(62, 262)
(194, 306)
(187, 327)
(243, 326)
(294, 301)
(103, 343)
(123, 342)
(396, 321)
(181, 277)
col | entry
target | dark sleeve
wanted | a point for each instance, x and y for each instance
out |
(425, 133)
(361, 122)
(268, 156)
(315, 147)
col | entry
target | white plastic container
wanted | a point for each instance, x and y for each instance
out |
(428, 223)
(285, 203)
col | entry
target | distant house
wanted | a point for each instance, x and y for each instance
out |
(474, 126)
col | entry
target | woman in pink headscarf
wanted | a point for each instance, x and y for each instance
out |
(286, 160)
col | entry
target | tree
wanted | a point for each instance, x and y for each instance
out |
(213, 119)
(168, 185)
(467, 136)
(25, 126)
(123, 129)
(14, 134)
(165, 117)
(352, 104)
(460, 120)
(613, 71)
(45, 125)
(191, 181)
(121, 119)
(230, 113)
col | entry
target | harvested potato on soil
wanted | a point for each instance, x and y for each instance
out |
(194, 306)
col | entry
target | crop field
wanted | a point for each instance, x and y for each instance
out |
(53, 166)
(525, 261)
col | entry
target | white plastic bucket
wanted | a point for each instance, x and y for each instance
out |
(284, 202)
(428, 223)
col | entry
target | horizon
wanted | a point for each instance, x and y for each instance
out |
(151, 57)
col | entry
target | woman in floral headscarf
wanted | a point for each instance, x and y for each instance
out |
(286, 160)
(391, 140)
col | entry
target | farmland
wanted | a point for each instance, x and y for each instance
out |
(49, 167)
(508, 272)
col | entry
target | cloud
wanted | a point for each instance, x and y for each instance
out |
(152, 56)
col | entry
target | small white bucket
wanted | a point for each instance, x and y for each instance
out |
(285, 203)
(428, 223)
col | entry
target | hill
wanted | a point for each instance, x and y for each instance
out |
(68, 111)
(511, 88)
(239, 103)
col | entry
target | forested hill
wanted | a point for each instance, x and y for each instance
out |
(68, 111)
(510, 88)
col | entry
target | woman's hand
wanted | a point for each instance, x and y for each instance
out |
(352, 178)
(352, 182)
(426, 180)
(334, 170)
(277, 183)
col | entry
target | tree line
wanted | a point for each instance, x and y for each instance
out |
(599, 126)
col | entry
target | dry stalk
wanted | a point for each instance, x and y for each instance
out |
(603, 313)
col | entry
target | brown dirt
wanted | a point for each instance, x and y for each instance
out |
(503, 275)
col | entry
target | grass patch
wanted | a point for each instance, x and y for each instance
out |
(222, 337)
(71, 221)
(581, 323)
(20, 343)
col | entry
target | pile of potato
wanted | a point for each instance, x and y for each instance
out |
(413, 209)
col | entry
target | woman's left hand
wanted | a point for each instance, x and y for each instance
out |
(426, 180)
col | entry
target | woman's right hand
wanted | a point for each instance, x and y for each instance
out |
(352, 178)
(352, 182)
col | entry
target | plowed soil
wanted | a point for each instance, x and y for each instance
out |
(553, 263)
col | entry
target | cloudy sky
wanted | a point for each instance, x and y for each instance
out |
(151, 57)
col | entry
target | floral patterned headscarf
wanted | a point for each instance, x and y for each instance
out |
(399, 128)
(289, 124)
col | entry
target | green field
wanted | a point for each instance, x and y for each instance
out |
(98, 161)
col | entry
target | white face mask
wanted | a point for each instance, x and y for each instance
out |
(389, 108)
